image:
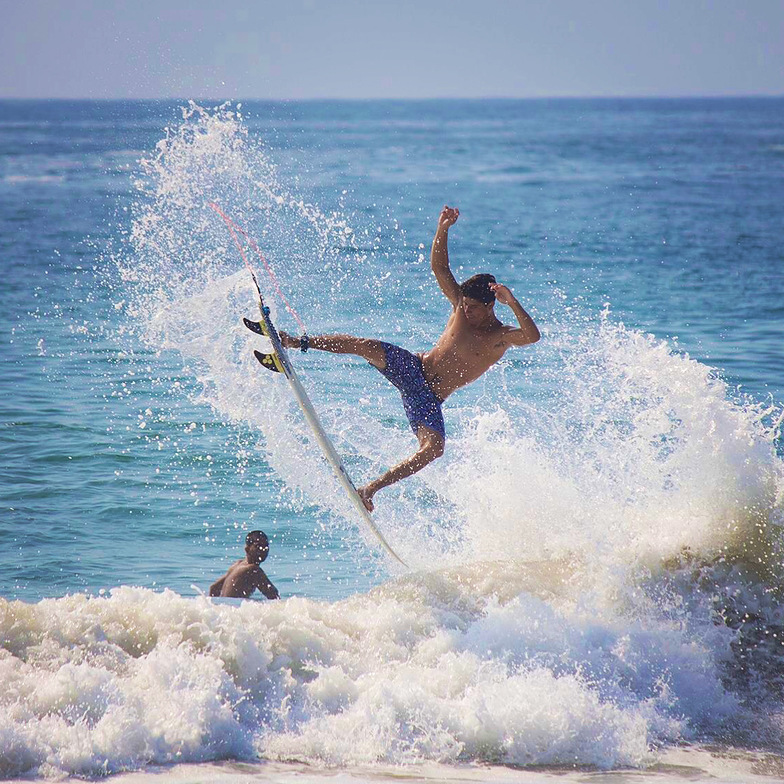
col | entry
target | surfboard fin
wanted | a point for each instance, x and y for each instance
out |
(254, 326)
(267, 361)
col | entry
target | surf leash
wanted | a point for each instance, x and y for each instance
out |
(233, 230)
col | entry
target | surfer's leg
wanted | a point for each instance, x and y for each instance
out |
(371, 350)
(431, 447)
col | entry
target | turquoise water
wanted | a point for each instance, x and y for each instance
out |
(606, 515)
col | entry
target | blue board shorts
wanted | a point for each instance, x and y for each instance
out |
(421, 404)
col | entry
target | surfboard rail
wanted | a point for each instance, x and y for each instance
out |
(311, 417)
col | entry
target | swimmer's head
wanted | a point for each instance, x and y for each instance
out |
(478, 287)
(257, 546)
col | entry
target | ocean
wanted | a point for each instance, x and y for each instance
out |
(596, 562)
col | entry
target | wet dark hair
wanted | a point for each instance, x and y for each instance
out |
(257, 537)
(478, 287)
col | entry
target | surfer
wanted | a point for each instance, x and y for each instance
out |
(245, 576)
(473, 340)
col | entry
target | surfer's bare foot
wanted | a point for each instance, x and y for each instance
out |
(367, 498)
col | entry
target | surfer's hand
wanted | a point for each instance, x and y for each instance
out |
(448, 217)
(502, 293)
(288, 341)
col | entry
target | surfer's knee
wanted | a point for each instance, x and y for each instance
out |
(431, 444)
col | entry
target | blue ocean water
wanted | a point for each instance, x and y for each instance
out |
(604, 529)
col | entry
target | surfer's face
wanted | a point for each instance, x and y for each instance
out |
(257, 551)
(475, 311)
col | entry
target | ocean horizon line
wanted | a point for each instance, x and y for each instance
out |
(400, 99)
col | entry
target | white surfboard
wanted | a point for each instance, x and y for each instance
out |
(282, 363)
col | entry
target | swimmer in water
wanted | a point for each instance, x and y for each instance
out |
(245, 576)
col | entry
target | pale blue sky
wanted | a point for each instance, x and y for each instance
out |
(407, 48)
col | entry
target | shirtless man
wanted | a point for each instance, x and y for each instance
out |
(245, 576)
(473, 340)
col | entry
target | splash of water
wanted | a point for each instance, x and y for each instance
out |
(420, 670)
(641, 453)
(627, 453)
(179, 246)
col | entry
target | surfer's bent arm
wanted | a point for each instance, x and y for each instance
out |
(528, 332)
(439, 256)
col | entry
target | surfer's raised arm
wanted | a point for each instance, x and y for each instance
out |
(439, 255)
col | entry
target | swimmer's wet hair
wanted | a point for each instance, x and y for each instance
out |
(257, 536)
(478, 287)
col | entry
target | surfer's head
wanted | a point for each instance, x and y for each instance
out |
(256, 546)
(478, 287)
(478, 298)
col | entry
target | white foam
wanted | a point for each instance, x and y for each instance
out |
(641, 453)
(423, 669)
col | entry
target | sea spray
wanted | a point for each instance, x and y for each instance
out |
(177, 243)
(185, 288)
(642, 452)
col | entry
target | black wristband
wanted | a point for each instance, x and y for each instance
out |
(304, 343)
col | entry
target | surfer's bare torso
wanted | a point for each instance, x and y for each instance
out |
(463, 353)
(243, 579)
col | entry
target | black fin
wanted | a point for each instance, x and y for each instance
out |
(253, 326)
(268, 360)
